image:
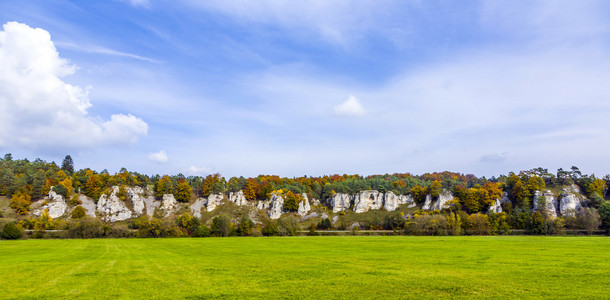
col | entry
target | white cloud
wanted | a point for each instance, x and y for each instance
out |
(194, 170)
(39, 110)
(160, 157)
(351, 107)
(102, 50)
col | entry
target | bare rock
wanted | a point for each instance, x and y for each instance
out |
(545, 202)
(569, 201)
(311, 215)
(197, 206)
(238, 198)
(112, 208)
(441, 203)
(304, 206)
(340, 202)
(213, 201)
(277, 206)
(88, 205)
(367, 200)
(392, 201)
(334, 220)
(168, 204)
(263, 204)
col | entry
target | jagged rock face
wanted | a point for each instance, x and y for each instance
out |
(315, 202)
(550, 203)
(277, 206)
(340, 202)
(136, 194)
(88, 205)
(496, 207)
(263, 204)
(324, 216)
(304, 206)
(367, 200)
(112, 208)
(56, 205)
(392, 201)
(213, 201)
(441, 203)
(569, 202)
(168, 204)
(238, 198)
(197, 206)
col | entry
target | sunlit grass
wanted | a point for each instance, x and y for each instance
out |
(307, 267)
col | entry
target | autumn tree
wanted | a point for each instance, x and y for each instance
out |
(212, 184)
(78, 212)
(183, 191)
(164, 186)
(250, 189)
(93, 186)
(291, 202)
(21, 201)
(435, 189)
(419, 194)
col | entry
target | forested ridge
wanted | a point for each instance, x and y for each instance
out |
(473, 208)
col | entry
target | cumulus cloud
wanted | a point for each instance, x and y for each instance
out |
(40, 110)
(160, 157)
(351, 107)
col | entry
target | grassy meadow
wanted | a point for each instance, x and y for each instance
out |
(307, 267)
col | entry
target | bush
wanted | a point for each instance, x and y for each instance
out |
(271, 229)
(288, 225)
(86, 228)
(589, 219)
(245, 227)
(604, 214)
(78, 212)
(324, 224)
(202, 231)
(427, 225)
(221, 226)
(11, 231)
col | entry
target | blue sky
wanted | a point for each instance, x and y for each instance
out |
(307, 88)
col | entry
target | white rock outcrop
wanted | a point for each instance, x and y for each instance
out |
(238, 198)
(311, 215)
(392, 201)
(367, 200)
(277, 206)
(56, 205)
(213, 201)
(263, 204)
(550, 202)
(168, 204)
(112, 208)
(441, 203)
(340, 202)
(569, 202)
(88, 205)
(304, 206)
(197, 206)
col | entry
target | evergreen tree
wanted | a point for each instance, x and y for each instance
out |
(68, 165)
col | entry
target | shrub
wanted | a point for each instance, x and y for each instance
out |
(245, 226)
(221, 226)
(60, 189)
(324, 224)
(202, 231)
(75, 200)
(85, 228)
(479, 224)
(21, 202)
(271, 229)
(78, 212)
(589, 219)
(11, 231)
(288, 225)
(604, 214)
(427, 225)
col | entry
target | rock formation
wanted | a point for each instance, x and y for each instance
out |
(168, 204)
(88, 205)
(277, 206)
(238, 198)
(392, 201)
(112, 208)
(56, 205)
(213, 201)
(340, 202)
(197, 206)
(569, 200)
(367, 200)
(304, 206)
(550, 202)
(441, 203)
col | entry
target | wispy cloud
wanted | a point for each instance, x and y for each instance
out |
(350, 107)
(102, 50)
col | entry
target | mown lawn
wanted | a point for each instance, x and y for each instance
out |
(307, 267)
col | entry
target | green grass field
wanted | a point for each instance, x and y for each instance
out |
(307, 267)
